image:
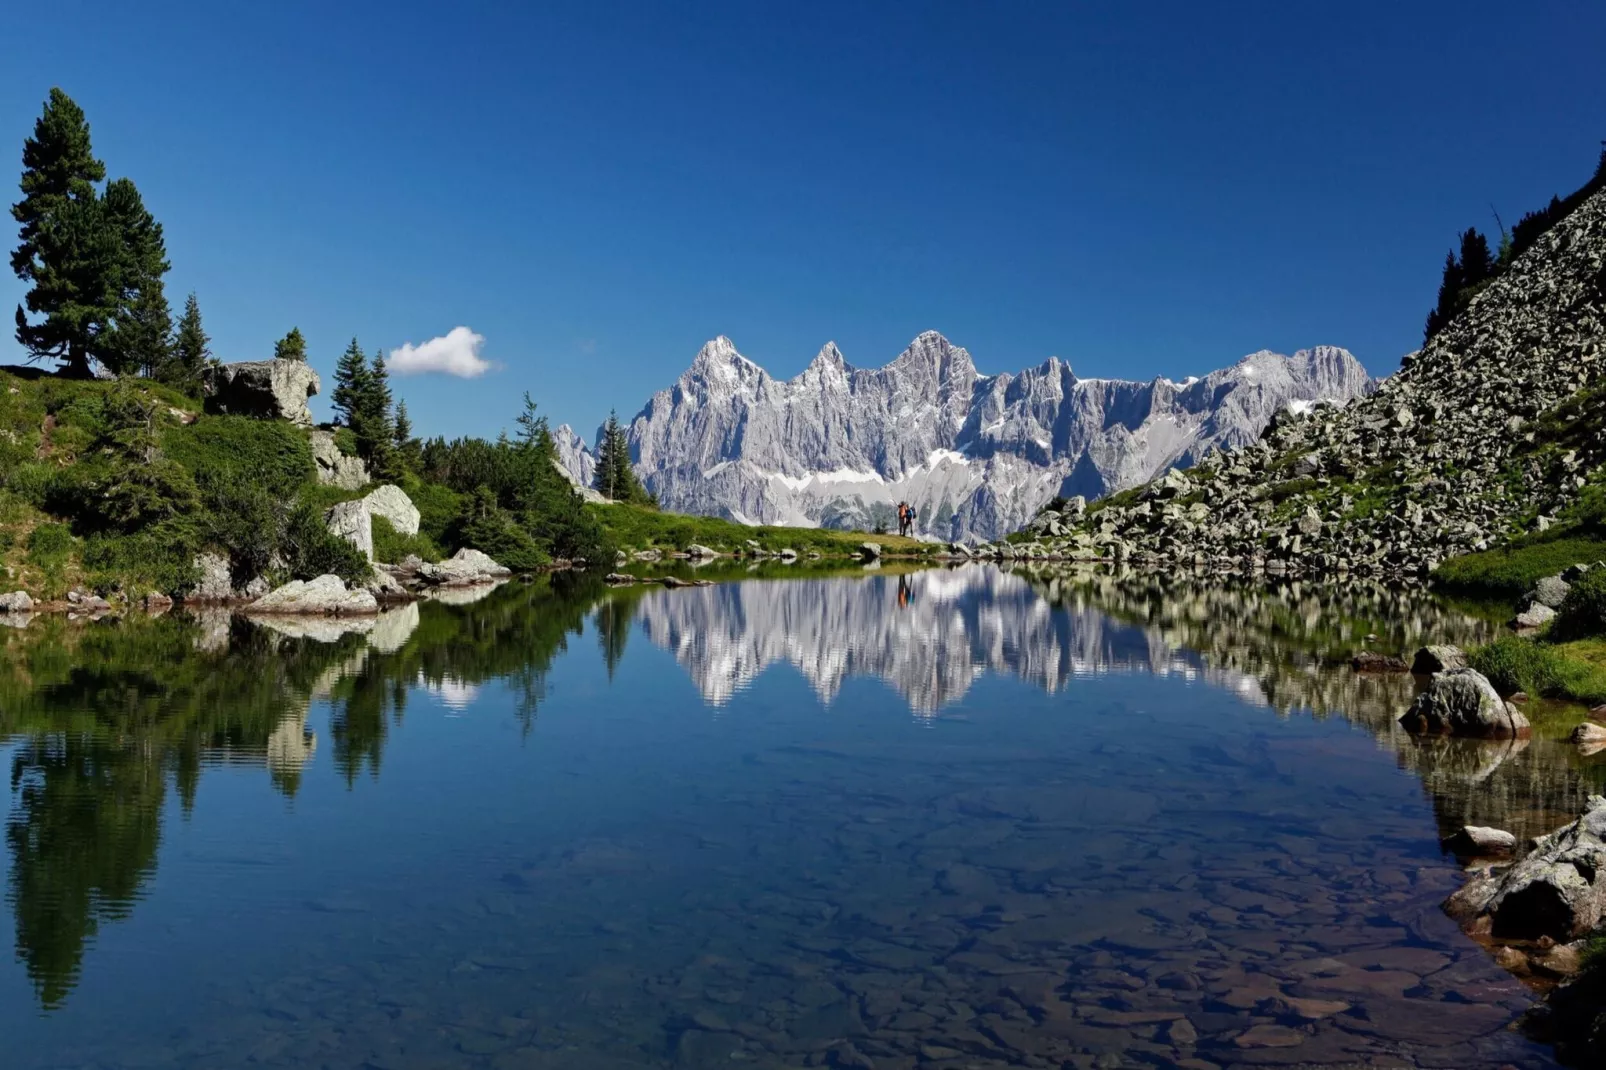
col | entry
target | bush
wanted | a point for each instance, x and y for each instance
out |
(495, 533)
(159, 560)
(391, 546)
(224, 450)
(439, 508)
(345, 441)
(50, 548)
(1583, 612)
(311, 550)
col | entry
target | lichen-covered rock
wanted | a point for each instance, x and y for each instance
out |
(1557, 891)
(214, 582)
(268, 389)
(392, 503)
(326, 594)
(464, 568)
(1550, 591)
(335, 469)
(1443, 658)
(351, 521)
(16, 602)
(1462, 702)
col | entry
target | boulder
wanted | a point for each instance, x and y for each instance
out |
(1557, 891)
(1537, 615)
(786, 553)
(1481, 841)
(392, 503)
(326, 594)
(335, 469)
(1462, 702)
(215, 583)
(1432, 659)
(465, 568)
(350, 521)
(697, 550)
(676, 581)
(1074, 507)
(267, 389)
(1550, 591)
(1588, 732)
(870, 551)
(1372, 661)
(16, 602)
(1310, 522)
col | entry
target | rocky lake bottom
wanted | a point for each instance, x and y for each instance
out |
(964, 818)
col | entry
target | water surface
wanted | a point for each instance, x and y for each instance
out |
(964, 818)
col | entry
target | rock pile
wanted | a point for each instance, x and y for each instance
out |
(1443, 459)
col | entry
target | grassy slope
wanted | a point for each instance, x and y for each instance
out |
(1510, 571)
(633, 527)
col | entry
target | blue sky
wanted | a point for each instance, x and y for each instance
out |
(597, 188)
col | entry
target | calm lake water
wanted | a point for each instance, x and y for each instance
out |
(964, 818)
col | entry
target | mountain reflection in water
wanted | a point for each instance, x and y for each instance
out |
(105, 721)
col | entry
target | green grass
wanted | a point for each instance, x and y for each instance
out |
(1575, 671)
(1512, 570)
(633, 527)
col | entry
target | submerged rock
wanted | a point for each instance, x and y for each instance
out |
(1462, 702)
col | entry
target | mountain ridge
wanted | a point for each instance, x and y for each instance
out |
(977, 455)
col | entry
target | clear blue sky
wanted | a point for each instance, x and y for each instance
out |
(597, 188)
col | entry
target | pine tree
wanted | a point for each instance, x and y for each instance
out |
(140, 334)
(291, 347)
(409, 452)
(376, 438)
(1477, 263)
(351, 379)
(191, 351)
(605, 480)
(66, 250)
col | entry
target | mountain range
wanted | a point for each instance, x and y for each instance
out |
(976, 455)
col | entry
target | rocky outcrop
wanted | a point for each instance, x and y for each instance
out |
(353, 520)
(1452, 454)
(350, 521)
(977, 456)
(326, 594)
(392, 503)
(1558, 891)
(335, 469)
(267, 389)
(1462, 702)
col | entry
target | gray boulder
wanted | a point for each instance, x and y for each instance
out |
(350, 521)
(16, 602)
(335, 469)
(1537, 615)
(696, 550)
(267, 389)
(1462, 702)
(215, 582)
(870, 551)
(1432, 659)
(464, 568)
(1550, 591)
(326, 594)
(392, 503)
(1478, 840)
(1558, 890)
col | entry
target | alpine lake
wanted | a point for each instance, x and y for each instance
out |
(950, 818)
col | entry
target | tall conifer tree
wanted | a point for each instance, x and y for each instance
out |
(191, 349)
(140, 335)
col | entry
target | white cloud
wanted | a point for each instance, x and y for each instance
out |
(457, 352)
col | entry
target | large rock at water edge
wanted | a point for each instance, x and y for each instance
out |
(392, 503)
(267, 389)
(1558, 890)
(326, 594)
(463, 568)
(1462, 702)
(335, 469)
(1432, 659)
(16, 602)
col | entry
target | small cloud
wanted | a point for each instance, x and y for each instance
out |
(457, 352)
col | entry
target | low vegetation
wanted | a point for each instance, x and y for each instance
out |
(635, 527)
